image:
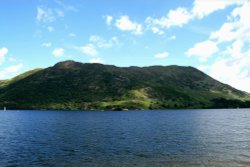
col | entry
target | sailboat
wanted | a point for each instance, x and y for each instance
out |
(4, 108)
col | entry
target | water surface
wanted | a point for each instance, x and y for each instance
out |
(131, 138)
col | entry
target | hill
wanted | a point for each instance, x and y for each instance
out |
(72, 85)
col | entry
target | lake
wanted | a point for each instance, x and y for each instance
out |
(125, 138)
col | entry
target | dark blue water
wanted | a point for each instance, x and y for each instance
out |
(131, 138)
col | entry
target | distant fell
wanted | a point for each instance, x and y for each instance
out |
(71, 85)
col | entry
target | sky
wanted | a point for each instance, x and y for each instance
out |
(211, 35)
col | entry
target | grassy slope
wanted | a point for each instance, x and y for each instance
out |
(4, 83)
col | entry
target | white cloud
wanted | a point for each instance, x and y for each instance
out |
(237, 27)
(48, 44)
(173, 37)
(48, 15)
(59, 12)
(158, 31)
(236, 49)
(232, 64)
(115, 40)
(161, 55)
(89, 50)
(8, 72)
(203, 50)
(3, 52)
(176, 17)
(225, 33)
(51, 29)
(66, 7)
(97, 42)
(234, 38)
(45, 15)
(181, 16)
(125, 24)
(72, 35)
(202, 8)
(203, 67)
(102, 43)
(233, 71)
(58, 52)
(96, 60)
(108, 19)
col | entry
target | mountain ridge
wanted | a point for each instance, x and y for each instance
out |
(73, 85)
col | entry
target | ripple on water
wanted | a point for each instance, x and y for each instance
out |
(139, 138)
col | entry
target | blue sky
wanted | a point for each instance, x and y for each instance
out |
(211, 35)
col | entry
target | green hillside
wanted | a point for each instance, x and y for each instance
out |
(75, 86)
